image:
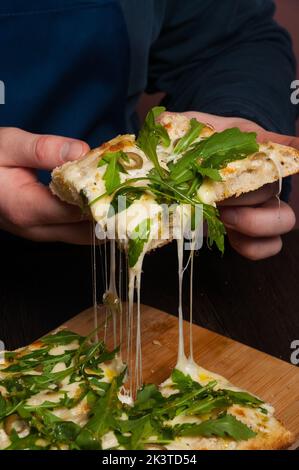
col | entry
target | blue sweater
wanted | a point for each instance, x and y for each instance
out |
(78, 67)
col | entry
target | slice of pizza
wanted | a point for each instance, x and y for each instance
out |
(219, 415)
(175, 161)
(49, 389)
(64, 392)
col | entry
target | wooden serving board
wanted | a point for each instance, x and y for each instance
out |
(275, 381)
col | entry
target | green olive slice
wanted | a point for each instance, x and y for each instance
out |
(134, 161)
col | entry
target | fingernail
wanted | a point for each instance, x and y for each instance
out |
(71, 150)
(229, 216)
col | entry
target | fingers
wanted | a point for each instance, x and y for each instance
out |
(254, 197)
(77, 233)
(23, 149)
(288, 140)
(270, 219)
(24, 202)
(254, 248)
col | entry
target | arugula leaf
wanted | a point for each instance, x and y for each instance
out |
(224, 426)
(101, 421)
(179, 402)
(61, 338)
(211, 173)
(208, 404)
(8, 406)
(152, 134)
(137, 241)
(192, 134)
(243, 398)
(148, 398)
(215, 152)
(183, 382)
(216, 229)
(227, 146)
(65, 431)
(142, 430)
(111, 175)
(40, 382)
(123, 198)
(29, 442)
(46, 416)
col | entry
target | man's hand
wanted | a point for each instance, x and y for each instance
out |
(254, 221)
(27, 208)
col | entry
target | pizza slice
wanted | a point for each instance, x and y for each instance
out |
(48, 389)
(65, 392)
(173, 162)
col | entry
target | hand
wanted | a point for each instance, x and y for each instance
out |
(27, 207)
(254, 221)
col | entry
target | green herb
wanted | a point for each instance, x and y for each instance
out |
(112, 173)
(224, 426)
(211, 173)
(208, 404)
(192, 134)
(137, 241)
(215, 152)
(61, 338)
(140, 429)
(65, 431)
(101, 422)
(179, 402)
(216, 229)
(152, 134)
(243, 398)
(148, 398)
(28, 442)
(124, 198)
(183, 382)
(227, 146)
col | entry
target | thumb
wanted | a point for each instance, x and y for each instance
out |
(21, 148)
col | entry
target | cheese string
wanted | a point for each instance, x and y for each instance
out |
(180, 249)
(191, 356)
(112, 290)
(138, 357)
(130, 330)
(120, 304)
(94, 281)
(277, 165)
(106, 289)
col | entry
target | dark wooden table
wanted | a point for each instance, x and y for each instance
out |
(257, 303)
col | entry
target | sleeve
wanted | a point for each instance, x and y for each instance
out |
(227, 58)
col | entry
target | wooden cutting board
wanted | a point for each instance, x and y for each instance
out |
(275, 381)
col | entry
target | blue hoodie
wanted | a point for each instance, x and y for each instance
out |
(78, 67)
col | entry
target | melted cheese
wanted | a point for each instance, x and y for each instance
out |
(59, 350)
(4, 439)
(109, 440)
(206, 192)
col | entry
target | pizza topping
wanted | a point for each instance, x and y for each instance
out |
(15, 423)
(193, 133)
(152, 134)
(224, 426)
(139, 237)
(132, 161)
(89, 411)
